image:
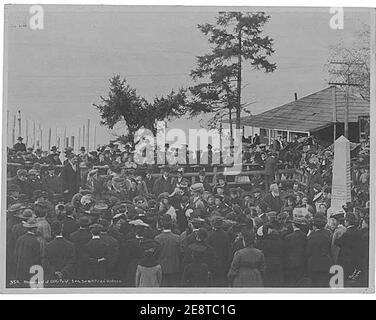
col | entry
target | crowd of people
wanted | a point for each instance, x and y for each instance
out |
(98, 219)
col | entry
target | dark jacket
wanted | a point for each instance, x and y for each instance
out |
(27, 254)
(272, 203)
(59, 256)
(350, 244)
(96, 254)
(196, 274)
(271, 246)
(70, 225)
(80, 238)
(169, 252)
(70, 179)
(19, 146)
(162, 185)
(318, 251)
(294, 249)
(220, 242)
(52, 184)
(113, 252)
(270, 166)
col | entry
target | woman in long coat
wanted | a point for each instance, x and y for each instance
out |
(248, 265)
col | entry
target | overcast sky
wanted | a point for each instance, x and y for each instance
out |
(56, 74)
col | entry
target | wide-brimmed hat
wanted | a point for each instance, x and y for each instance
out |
(26, 214)
(100, 208)
(138, 223)
(16, 207)
(19, 138)
(53, 148)
(31, 223)
(196, 187)
(96, 227)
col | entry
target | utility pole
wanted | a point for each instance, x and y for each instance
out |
(19, 123)
(348, 85)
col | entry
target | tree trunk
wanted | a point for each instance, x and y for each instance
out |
(238, 106)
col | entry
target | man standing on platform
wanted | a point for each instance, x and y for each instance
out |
(19, 146)
(70, 177)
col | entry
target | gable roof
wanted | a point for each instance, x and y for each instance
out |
(309, 113)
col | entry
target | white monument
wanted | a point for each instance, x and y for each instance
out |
(341, 182)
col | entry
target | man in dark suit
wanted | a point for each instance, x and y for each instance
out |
(59, 255)
(169, 253)
(318, 252)
(80, 238)
(27, 251)
(113, 247)
(219, 240)
(270, 169)
(272, 201)
(294, 253)
(51, 183)
(96, 254)
(19, 146)
(164, 183)
(70, 176)
(149, 181)
(350, 246)
(70, 223)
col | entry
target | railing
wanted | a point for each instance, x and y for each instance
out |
(241, 179)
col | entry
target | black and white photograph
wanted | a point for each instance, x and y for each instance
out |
(187, 149)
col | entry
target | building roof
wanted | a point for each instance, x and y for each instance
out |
(310, 113)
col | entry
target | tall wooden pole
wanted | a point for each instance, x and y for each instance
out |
(79, 139)
(19, 123)
(88, 135)
(95, 137)
(64, 138)
(55, 135)
(67, 142)
(41, 137)
(27, 132)
(33, 134)
(14, 131)
(83, 135)
(72, 142)
(49, 139)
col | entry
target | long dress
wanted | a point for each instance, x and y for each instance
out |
(247, 267)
